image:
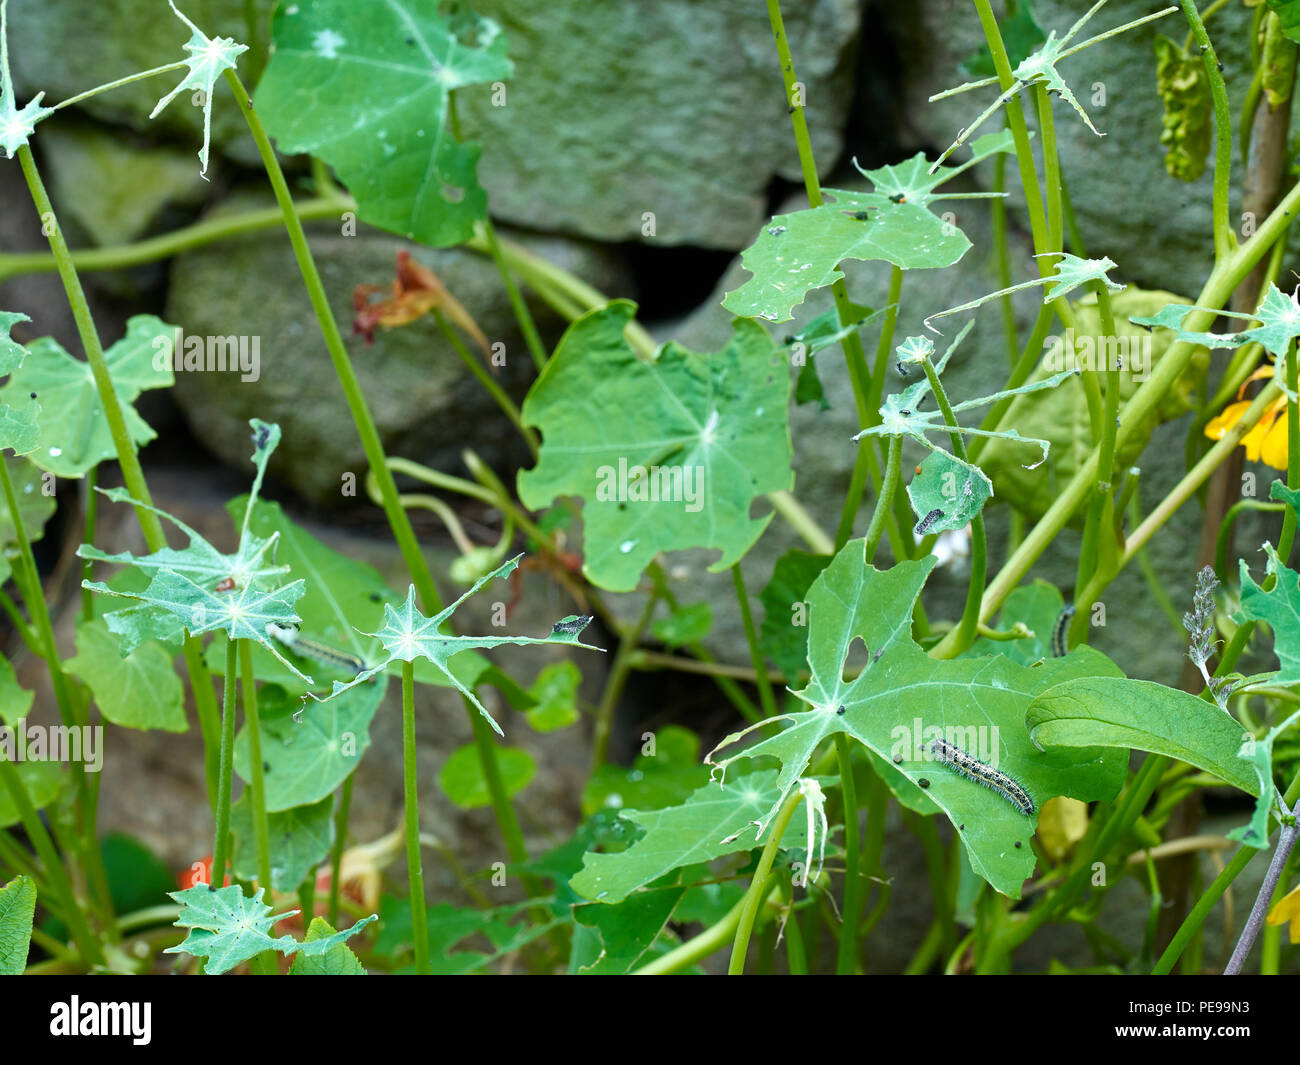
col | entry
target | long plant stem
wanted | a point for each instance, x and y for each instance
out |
(411, 794)
(758, 886)
(225, 781)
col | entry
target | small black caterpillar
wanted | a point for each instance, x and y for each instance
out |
(1060, 632)
(973, 769)
(923, 526)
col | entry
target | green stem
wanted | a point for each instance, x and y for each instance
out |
(764, 685)
(885, 501)
(758, 888)
(225, 781)
(617, 678)
(1225, 241)
(398, 520)
(410, 787)
(846, 959)
(336, 852)
(88, 537)
(964, 634)
(1002, 255)
(494, 389)
(708, 942)
(109, 86)
(1225, 531)
(522, 314)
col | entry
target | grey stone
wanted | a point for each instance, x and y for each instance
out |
(426, 405)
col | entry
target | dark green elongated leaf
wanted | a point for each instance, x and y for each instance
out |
(74, 433)
(140, 691)
(715, 820)
(798, 252)
(663, 777)
(665, 455)
(307, 759)
(367, 88)
(337, 961)
(783, 635)
(17, 908)
(1258, 754)
(407, 635)
(227, 928)
(626, 931)
(903, 699)
(1113, 712)
(461, 777)
(43, 781)
(300, 840)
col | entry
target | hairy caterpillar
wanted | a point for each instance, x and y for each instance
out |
(299, 644)
(923, 526)
(973, 769)
(1060, 632)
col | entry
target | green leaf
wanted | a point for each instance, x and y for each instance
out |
(1094, 712)
(714, 820)
(1279, 608)
(947, 493)
(34, 505)
(300, 839)
(42, 780)
(208, 58)
(448, 926)
(626, 932)
(1278, 315)
(665, 777)
(687, 624)
(556, 693)
(367, 88)
(337, 961)
(1258, 754)
(74, 434)
(201, 590)
(306, 760)
(1288, 12)
(665, 455)
(17, 908)
(16, 124)
(227, 928)
(461, 776)
(902, 699)
(342, 597)
(783, 635)
(407, 635)
(140, 691)
(15, 701)
(799, 252)
(19, 431)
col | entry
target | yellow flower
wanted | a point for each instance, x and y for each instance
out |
(1266, 441)
(1288, 909)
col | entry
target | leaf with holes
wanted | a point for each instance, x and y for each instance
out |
(407, 635)
(799, 252)
(198, 589)
(902, 700)
(665, 455)
(367, 88)
(227, 928)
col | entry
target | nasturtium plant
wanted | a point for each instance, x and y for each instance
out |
(368, 89)
(665, 454)
(17, 906)
(226, 927)
(893, 223)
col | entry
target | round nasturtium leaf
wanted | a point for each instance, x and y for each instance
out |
(461, 778)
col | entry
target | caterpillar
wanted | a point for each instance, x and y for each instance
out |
(1060, 632)
(973, 769)
(923, 526)
(300, 644)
